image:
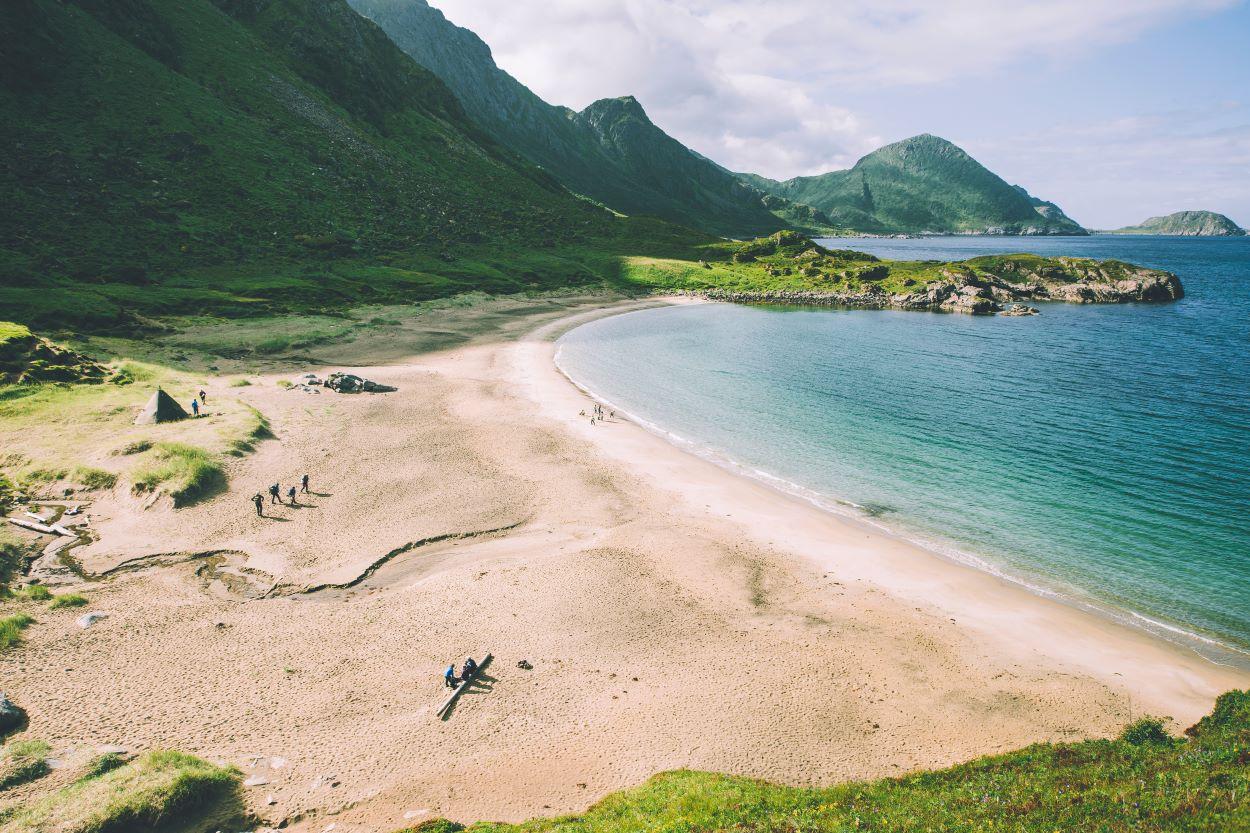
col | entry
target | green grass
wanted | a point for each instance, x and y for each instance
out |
(169, 792)
(93, 478)
(1143, 780)
(62, 600)
(23, 761)
(11, 628)
(185, 472)
(37, 593)
(240, 383)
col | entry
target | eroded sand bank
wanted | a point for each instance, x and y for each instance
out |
(674, 615)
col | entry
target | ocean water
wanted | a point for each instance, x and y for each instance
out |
(1097, 453)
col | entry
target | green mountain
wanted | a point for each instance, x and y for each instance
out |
(610, 152)
(922, 184)
(161, 136)
(1188, 224)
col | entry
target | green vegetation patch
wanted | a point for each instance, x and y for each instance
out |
(23, 761)
(11, 628)
(93, 478)
(1142, 781)
(185, 472)
(37, 593)
(165, 791)
(63, 600)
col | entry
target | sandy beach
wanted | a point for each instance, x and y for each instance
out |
(674, 615)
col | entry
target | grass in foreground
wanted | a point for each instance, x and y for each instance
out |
(170, 792)
(1143, 780)
(186, 472)
(23, 761)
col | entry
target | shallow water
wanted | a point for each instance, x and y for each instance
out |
(1101, 453)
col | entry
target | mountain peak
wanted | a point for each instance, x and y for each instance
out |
(620, 107)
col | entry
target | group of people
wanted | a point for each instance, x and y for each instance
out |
(466, 673)
(597, 415)
(195, 403)
(275, 495)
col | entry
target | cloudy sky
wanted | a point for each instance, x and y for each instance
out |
(1115, 109)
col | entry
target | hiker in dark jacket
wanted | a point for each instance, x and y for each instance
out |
(260, 502)
(470, 668)
(290, 493)
(274, 492)
(303, 482)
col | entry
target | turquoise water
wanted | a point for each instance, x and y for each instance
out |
(1100, 453)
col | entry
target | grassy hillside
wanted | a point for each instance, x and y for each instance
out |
(611, 151)
(158, 136)
(1144, 780)
(922, 184)
(1186, 224)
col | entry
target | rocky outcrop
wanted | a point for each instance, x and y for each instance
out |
(349, 383)
(1187, 224)
(12, 717)
(984, 289)
(26, 358)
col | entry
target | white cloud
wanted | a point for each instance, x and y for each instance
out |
(756, 86)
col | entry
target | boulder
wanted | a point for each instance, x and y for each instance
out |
(1020, 309)
(12, 716)
(350, 383)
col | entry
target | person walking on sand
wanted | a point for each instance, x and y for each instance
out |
(274, 493)
(195, 407)
(290, 493)
(303, 484)
(203, 396)
(449, 677)
(260, 502)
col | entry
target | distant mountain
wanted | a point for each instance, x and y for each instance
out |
(1188, 224)
(610, 152)
(170, 134)
(922, 184)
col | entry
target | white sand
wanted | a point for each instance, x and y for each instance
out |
(675, 615)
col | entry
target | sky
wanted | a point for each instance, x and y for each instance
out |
(1115, 109)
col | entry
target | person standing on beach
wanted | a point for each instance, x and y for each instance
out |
(260, 502)
(274, 493)
(303, 483)
(195, 407)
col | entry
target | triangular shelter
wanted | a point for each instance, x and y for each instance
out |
(161, 408)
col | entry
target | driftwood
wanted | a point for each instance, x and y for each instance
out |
(463, 686)
(47, 530)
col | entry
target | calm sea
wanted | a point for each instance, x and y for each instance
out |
(1099, 453)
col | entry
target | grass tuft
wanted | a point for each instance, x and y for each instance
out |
(67, 600)
(37, 593)
(187, 473)
(11, 628)
(240, 383)
(159, 791)
(23, 761)
(93, 478)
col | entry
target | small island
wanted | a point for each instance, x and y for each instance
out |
(1185, 224)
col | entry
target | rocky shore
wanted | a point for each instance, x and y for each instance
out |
(986, 291)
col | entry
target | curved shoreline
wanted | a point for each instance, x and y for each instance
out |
(1209, 648)
(1174, 678)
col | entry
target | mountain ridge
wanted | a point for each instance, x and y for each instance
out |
(923, 184)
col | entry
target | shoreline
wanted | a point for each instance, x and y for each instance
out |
(1098, 635)
(1209, 648)
(648, 610)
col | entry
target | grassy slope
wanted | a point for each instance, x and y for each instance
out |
(1186, 223)
(920, 184)
(162, 136)
(1141, 781)
(1138, 782)
(610, 151)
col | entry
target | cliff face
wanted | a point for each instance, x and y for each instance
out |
(611, 151)
(1187, 224)
(924, 184)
